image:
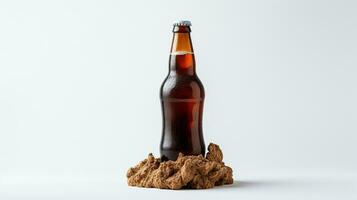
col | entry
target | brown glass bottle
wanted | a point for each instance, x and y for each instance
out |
(182, 95)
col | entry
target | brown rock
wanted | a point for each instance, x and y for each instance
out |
(194, 172)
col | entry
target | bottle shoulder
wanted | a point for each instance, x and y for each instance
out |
(182, 87)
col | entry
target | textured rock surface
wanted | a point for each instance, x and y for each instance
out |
(194, 172)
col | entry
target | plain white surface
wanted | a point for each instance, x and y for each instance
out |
(257, 186)
(79, 94)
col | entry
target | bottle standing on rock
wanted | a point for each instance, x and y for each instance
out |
(182, 95)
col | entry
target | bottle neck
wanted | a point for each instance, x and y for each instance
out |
(182, 59)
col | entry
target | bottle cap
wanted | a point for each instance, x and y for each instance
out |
(183, 23)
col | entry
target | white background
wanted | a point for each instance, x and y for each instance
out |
(79, 95)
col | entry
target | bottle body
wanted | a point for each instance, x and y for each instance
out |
(182, 97)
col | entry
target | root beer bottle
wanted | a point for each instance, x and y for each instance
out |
(182, 96)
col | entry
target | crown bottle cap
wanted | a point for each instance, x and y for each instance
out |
(183, 23)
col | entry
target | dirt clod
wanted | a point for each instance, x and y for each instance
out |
(196, 172)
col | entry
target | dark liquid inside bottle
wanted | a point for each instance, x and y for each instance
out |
(182, 96)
